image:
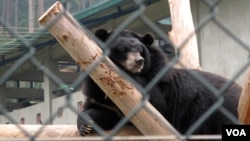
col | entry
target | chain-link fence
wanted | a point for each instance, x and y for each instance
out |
(24, 53)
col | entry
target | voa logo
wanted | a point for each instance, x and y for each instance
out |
(236, 132)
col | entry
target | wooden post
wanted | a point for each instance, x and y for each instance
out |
(86, 52)
(244, 102)
(182, 28)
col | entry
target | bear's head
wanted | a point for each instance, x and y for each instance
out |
(129, 50)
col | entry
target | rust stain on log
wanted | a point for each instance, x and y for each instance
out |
(95, 56)
(122, 83)
(112, 79)
(65, 37)
(102, 66)
(107, 80)
(62, 38)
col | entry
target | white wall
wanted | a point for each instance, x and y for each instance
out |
(219, 52)
(30, 113)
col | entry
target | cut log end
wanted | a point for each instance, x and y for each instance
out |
(52, 11)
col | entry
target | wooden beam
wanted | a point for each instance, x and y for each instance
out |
(68, 77)
(24, 93)
(244, 102)
(37, 76)
(86, 52)
(51, 132)
(30, 75)
(24, 67)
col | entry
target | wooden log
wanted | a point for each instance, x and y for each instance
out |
(244, 102)
(182, 28)
(12, 131)
(8, 131)
(86, 52)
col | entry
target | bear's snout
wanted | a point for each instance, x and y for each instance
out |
(134, 62)
(139, 60)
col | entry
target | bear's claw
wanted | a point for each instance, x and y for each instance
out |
(85, 129)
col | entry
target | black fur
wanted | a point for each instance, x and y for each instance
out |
(178, 96)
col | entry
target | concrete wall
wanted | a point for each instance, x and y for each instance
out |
(30, 113)
(219, 53)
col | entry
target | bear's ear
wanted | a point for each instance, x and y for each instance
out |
(148, 39)
(102, 34)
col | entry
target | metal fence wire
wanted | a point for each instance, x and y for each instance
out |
(27, 48)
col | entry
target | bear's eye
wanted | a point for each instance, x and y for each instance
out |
(123, 49)
(120, 49)
(138, 48)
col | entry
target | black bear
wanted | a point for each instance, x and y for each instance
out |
(178, 95)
